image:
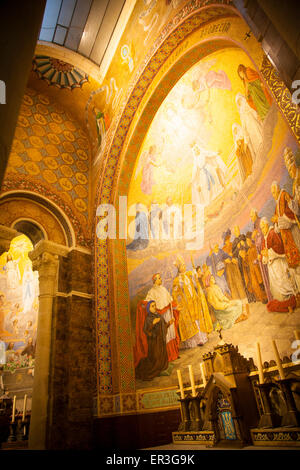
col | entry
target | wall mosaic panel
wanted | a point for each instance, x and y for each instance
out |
(135, 94)
(120, 155)
(50, 155)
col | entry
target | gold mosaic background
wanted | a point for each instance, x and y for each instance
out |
(50, 155)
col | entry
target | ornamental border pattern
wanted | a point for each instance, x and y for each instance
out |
(15, 182)
(139, 401)
(276, 437)
(282, 95)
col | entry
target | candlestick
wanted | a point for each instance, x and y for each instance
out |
(269, 418)
(192, 381)
(278, 360)
(180, 384)
(24, 407)
(14, 410)
(259, 364)
(203, 373)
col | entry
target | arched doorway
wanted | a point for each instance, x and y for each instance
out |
(19, 307)
(52, 254)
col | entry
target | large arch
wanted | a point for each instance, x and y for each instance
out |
(194, 33)
(62, 221)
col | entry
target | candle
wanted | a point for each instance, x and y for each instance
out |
(278, 360)
(259, 364)
(180, 384)
(24, 407)
(14, 410)
(203, 373)
(297, 334)
(192, 381)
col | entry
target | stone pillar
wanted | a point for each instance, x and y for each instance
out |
(45, 259)
(73, 355)
(64, 373)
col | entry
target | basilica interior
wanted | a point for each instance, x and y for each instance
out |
(149, 224)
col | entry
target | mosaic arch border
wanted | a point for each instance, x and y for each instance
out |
(26, 184)
(113, 339)
(62, 219)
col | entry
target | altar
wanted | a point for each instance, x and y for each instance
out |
(16, 386)
(239, 403)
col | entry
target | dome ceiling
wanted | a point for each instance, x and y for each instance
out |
(58, 73)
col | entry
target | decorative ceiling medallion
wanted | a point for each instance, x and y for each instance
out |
(58, 73)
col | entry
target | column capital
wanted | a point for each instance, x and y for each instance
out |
(50, 248)
(6, 236)
(45, 260)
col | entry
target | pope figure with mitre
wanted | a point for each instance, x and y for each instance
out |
(194, 318)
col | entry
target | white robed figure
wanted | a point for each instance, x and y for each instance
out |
(208, 177)
(2, 359)
(282, 284)
(28, 285)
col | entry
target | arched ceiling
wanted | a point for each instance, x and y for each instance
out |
(67, 86)
(58, 115)
(50, 156)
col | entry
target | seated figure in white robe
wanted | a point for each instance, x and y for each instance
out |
(282, 284)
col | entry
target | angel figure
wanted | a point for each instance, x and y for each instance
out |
(148, 161)
(127, 54)
(102, 124)
(203, 80)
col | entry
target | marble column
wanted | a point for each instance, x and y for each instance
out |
(45, 259)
